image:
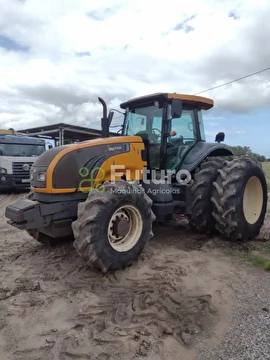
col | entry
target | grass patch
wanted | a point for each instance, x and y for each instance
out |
(262, 247)
(252, 259)
(258, 254)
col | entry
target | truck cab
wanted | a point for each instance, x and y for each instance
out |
(17, 154)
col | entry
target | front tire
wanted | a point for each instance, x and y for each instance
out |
(240, 199)
(113, 225)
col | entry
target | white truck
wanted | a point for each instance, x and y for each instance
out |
(17, 154)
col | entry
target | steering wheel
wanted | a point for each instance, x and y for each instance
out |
(156, 135)
(157, 130)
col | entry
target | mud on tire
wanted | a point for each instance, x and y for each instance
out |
(201, 218)
(93, 229)
(240, 199)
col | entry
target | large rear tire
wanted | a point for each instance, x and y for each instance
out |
(113, 225)
(240, 199)
(201, 218)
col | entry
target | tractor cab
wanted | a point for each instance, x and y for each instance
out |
(169, 125)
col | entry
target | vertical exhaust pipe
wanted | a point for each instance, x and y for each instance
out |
(104, 120)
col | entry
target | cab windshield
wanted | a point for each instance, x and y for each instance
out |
(21, 150)
(144, 120)
(148, 120)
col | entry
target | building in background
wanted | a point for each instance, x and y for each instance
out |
(61, 133)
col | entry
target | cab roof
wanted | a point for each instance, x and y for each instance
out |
(190, 100)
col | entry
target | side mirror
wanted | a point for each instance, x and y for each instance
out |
(110, 117)
(220, 137)
(176, 109)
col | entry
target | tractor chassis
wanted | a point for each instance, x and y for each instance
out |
(53, 216)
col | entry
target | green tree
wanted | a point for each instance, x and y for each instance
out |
(246, 150)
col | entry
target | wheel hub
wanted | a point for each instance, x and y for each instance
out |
(119, 226)
(125, 228)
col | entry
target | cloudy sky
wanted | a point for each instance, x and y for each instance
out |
(57, 57)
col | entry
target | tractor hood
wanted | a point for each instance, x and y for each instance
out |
(61, 169)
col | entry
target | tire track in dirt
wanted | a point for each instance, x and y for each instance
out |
(54, 307)
(131, 319)
(127, 313)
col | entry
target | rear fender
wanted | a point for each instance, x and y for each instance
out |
(201, 150)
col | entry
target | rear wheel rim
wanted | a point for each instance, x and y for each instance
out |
(253, 200)
(125, 228)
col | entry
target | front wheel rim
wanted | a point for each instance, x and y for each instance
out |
(125, 228)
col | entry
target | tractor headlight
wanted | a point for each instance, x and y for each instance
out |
(41, 176)
(3, 171)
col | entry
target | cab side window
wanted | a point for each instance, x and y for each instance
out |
(136, 123)
(184, 126)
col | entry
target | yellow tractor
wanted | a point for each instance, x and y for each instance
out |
(106, 193)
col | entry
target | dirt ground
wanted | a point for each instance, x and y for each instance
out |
(176, 299)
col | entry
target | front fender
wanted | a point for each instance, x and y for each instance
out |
(201, 150)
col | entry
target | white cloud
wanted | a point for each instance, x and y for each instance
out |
(133, 50)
